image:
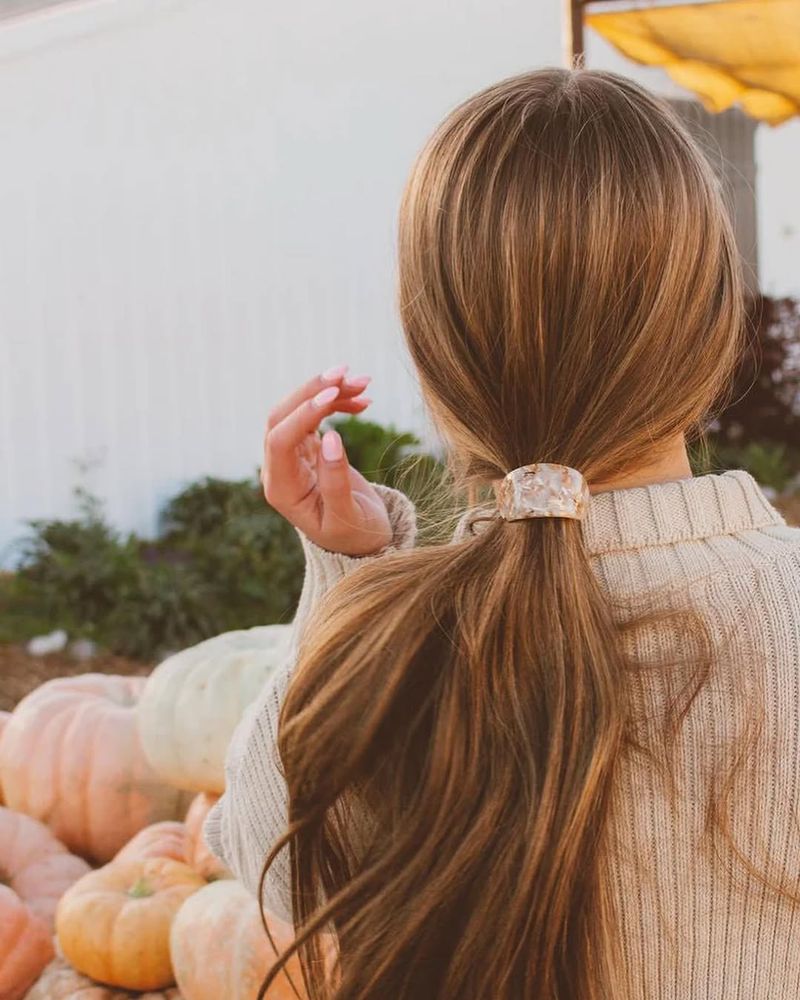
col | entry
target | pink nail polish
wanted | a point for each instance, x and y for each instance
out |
(358, 381)
(332, 449)
(332, 374)
(326, 396)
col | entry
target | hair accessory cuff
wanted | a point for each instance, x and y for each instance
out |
(542, 490)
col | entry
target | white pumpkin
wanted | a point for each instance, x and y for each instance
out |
(193, 701)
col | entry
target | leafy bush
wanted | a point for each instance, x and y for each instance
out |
(248, 556)
(759, 430)
(222, 559)
(772, 465)
(385, 455)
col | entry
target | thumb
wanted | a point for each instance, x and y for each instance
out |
(333, 482)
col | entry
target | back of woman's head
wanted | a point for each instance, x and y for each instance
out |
(568, 284)
(569, 292)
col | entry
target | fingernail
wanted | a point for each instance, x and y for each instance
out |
(363, 400)
(333, 373)
(326, 396)
(332, 449)
(358, 381)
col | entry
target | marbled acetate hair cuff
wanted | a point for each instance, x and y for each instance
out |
(542, 490)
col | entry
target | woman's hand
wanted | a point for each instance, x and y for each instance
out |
(307, 477)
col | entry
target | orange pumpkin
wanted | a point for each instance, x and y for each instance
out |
(34, 865)
(169, 839)
(219, 948)
(200, 856)
(26, 945)
(113, 925)
(60, 981)
(71, 756)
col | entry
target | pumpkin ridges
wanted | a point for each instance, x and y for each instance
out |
(193, 701)
(208, 966)
(25, 946)
(120, 940)
(168, 839)
(95, 801)
(60, 871)
(37, 866)
(201, 857)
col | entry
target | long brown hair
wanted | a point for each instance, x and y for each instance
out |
(570, 292)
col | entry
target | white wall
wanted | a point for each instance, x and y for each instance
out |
(777, 160)
(198, 205)
(197, 209)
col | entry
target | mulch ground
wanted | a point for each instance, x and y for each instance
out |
(21, 673)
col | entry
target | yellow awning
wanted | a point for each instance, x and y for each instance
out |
(744, 52)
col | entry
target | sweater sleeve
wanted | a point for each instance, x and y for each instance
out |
(252, 814)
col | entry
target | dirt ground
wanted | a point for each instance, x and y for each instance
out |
(21, 673)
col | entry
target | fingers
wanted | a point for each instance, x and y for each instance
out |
(349, 388)
(286, 475)
(333, 478)
(352, 405)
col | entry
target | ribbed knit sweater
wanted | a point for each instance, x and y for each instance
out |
(690, 929)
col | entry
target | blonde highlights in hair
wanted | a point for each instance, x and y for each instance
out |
(569, 291)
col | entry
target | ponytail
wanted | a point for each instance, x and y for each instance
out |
(569, 291)
(465, 704)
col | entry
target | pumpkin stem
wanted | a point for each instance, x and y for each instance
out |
(140, 889)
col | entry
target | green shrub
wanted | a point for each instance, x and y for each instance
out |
(385, 455)
(222, 559)
(247, 555)
(770, 464)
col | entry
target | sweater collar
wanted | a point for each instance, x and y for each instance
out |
(680, 510)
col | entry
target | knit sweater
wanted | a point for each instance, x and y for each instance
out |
(690, 929)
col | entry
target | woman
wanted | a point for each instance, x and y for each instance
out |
(557, 757)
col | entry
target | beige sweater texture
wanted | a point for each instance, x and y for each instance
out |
(690, 929)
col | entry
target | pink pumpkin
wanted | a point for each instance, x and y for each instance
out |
(200, 856)
(4, 717)
(26, 945)
(34, 865)
(219, 948)
(161, 840)
(71, 756)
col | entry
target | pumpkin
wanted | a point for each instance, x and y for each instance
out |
(60, 981)
(169, 839)
(200, 856)
(219, 948)
(113, 925)
(26, 945)
(4, 717)
(193, 701)
(34, 865)
(71, 756)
